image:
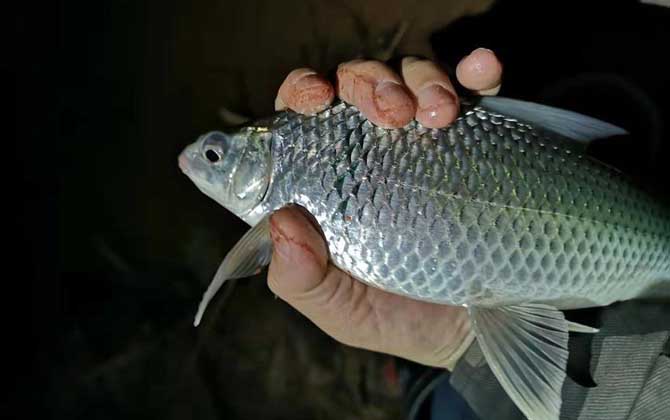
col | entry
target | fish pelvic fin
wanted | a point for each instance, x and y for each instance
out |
(247, 258)
(526, 347)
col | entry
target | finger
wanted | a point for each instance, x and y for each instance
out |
(377, 91)
(437, 102)
(299, 258)
(304, 91)
(481, 71)
(299, 274)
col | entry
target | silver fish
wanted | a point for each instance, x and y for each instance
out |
(502, 212)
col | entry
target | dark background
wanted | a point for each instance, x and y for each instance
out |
(115, 247)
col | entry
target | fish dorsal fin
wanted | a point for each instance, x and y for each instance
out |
(249, 255)
(526, 347)
(569, 124)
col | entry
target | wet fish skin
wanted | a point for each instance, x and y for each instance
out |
(489, 211)
(497, 213)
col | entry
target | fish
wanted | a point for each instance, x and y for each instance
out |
(503, 212)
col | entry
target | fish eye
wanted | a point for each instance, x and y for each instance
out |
(212, 155)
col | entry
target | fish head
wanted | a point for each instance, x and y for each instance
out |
(234, 169)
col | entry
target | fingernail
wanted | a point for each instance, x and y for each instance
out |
(433, 96)
(312, 94)
(389, 95)
(437, 107)
(280, 242)
(482, 49)
(308, 81)
(279, 104)
(480, 70)
(289, 248)
(477, 58)
(296, 242)
(303, 76)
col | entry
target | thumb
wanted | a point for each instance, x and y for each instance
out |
(299, 255)
(301, 276)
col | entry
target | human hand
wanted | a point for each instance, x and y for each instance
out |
(300, 273)
(422, 90)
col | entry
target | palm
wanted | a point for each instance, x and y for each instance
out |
(351, 311)
(381, 321)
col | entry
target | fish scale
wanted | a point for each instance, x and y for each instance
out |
(501, 212)
(489, 211)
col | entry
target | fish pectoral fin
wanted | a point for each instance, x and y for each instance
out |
(569, 124)
(249, 255)
(526, 347)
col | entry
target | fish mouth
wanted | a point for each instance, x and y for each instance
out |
(182, 161)
(187, 158)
